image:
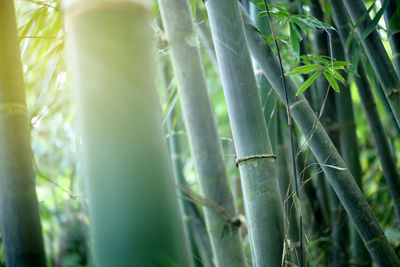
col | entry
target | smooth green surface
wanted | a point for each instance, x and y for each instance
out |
(20, 222)
(335, 169)
(202, 131)
(260, 189)
(132, 202)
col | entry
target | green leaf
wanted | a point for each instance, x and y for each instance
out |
(371, 26)
(329, 77)
(294, 39)
(340, 64)
(305, 69)
(339, 77)
(308, 83)
(394, 24)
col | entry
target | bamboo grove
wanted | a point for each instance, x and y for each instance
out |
(194, 133)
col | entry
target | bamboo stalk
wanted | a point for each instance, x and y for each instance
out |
(20, 221)
(381, 64)
(349, 149)
(254, 153)
(195, 228)
(133, 209)
(367, 99)
(285, 184)
(268, 97)
(202, 131)
(329, 120)
(336, 171)
(394, 38)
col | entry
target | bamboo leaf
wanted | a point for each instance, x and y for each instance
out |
(294, 39)
(339, 77)
(329, 77)
(308, 83)
(305, 69)
(340, 64)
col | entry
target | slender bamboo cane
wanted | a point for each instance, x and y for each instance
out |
(380, 140)
(205, 38)
(133, 208)
(20, 220)
(349, 149)
(317, 209)
(286, 188)
(195, 228)
(269, 98)
(254, 153)
(381, 64)
(202, 132)
(329, 120)
(337, 173)
(394, 38)
(195, 224)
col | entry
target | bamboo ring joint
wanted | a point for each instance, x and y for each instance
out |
(254, 157)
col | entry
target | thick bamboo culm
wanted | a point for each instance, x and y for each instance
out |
(20, 222)
(335, 169)
(202, 131)
(256, 163)
(132, 202)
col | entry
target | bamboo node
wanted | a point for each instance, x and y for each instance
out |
(13, 108)
(254, 157)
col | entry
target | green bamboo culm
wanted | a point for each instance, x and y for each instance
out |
(20, 221)
(268, 97)
(256, 163)
(349, 148)
(329, 119)
(375, 124)
(286, 188)
(381, 64)
(202, 131)
(195, 228)
(394, 37)
(335, 169)
(133, 209)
